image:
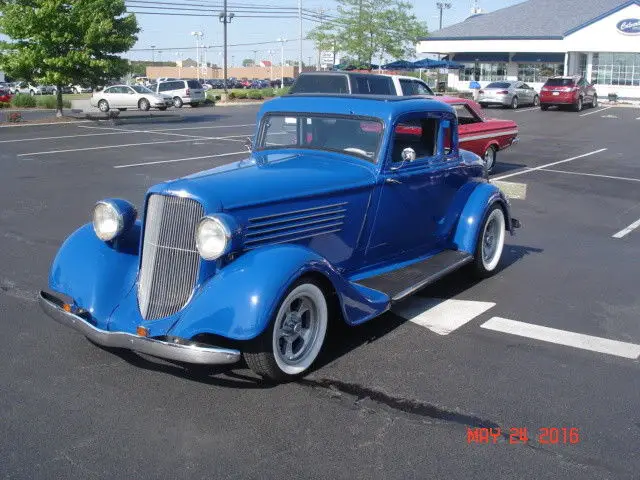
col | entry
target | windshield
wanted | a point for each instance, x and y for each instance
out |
(141, 89)
(355, 136)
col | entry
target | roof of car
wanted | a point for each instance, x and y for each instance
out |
(381, 106)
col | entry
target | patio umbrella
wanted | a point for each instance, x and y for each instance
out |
(398, 64)
(429, 63)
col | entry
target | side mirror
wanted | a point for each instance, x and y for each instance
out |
(408, 154)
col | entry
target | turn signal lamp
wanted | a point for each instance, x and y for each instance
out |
(142, 331)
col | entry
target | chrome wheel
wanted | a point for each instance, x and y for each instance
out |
(514, 103)
(594, 103)
(144, 105)
(536, 101)
(492, 239)
(177, 102)
(300, 328)
(103, 105)
(489, 158)
(578, 105)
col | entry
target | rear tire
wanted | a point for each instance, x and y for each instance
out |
(514, 103)
(578, 105)
(177, 102)
(295, 335)
(536, 101)
(103, 105)
(490, 242)
(594, 102)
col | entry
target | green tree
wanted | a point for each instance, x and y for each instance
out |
(61, 42)
(366, 28)
(247, 62)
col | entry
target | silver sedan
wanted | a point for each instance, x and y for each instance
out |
(508, 94)
(123, 97)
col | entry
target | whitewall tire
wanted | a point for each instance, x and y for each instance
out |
(490, 242)
(295, 335)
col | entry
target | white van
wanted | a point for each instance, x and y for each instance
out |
(182, 91)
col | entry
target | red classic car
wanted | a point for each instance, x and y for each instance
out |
(479, 134)
(5, 96)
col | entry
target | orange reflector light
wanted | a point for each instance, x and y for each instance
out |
(66, 307)
(142, 331)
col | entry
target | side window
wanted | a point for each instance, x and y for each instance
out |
(420, 134)
(163, 87)
(374, 85)
(525, 86)
(465, 115)
(421, 88)
(407, 87)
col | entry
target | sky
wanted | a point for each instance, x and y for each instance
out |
(171, 35)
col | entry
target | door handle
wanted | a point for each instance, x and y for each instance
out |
(392, 181)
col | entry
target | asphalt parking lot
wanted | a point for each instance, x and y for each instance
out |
(394, 398)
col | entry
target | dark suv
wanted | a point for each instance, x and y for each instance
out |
(574, 91)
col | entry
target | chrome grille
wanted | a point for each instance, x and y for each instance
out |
(170, 261)
(294, 225)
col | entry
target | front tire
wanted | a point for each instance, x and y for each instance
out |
(295, 335)
(578, 105)
(103, 105)
(489, 158)
(514, 103)
(177, 102)
(144, 105)
(490, 242)
(536, 101)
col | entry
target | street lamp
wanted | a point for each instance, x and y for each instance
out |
(179, 55)
(198, 36)
(282, 42)
(442, 6)
(225, 18)
(153, 54)
(271, 52)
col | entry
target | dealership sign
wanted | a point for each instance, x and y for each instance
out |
(629, 26)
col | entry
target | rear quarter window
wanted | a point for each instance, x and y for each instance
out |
(321, 84)
(194, 84)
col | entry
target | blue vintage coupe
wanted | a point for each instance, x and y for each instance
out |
(344, 206)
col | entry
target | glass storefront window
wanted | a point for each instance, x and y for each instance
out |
(539, 72)
(616, 69)
(484, 71)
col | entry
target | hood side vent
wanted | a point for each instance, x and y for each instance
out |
(294, 225)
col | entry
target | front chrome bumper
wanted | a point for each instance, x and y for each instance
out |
(181, 352)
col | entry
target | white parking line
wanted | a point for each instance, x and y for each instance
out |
(628, 179)
(526, 109)
(180, 159)
(62, 136)
(43, 124)
(627, 230)
(595, 111)
(440, 316)
(127, 130)
(204, 127)
(563, 337)
(533, 169)
(105, 147)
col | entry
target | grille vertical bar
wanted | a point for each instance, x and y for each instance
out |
(170, 261)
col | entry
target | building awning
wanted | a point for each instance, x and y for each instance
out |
(481, 57)
(538, 57)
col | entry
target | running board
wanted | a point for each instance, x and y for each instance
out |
(400, 283)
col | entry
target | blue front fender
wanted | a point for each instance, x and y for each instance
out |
(239, 300)
(96, 274)
(473, 214)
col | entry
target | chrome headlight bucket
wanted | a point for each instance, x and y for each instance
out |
(112, 217)
(217, 235)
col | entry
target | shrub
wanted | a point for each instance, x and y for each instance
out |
(232, 95)
(255, 95)
(267, 92)
(5, 105)
(50, 102)
(241, 95)
(281, 91)
(22, 101)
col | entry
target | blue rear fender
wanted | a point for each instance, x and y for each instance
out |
(483, 196)
(96, 274)
(240, 299)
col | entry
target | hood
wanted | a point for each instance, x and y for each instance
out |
(271, 177)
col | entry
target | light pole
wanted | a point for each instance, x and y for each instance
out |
(282, 42)
(160, 56)
(153, 54)
(300, 35)
(233, 60)
(271, 52)
(442, 6)
(225, 18)
(198, 36)
(179, 55)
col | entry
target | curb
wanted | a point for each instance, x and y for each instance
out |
(118, 120)
(241, 104)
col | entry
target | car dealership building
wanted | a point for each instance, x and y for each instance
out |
(536, 39)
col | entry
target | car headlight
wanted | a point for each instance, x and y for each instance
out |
(112, 217)
(213, 237)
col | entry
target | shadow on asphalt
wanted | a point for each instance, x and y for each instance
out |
(342, 338)
(502, 167)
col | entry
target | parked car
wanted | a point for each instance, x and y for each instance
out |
(508, 94)
(13, 87)
(334, 217)
(181, 91)
(573, 91)
(288, 81)
(65, 89)
(481, 135)
(79, 88)
(123, 97)
(359, 83)
(27, 88)
(216, 84)
(5, 95)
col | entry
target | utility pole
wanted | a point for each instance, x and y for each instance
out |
(442, 6)
(271, 64)
(153, 54)
(198, 36)
(225, 18)
(255, 58)
(282, 42)
(300, 39)
(321, 15)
